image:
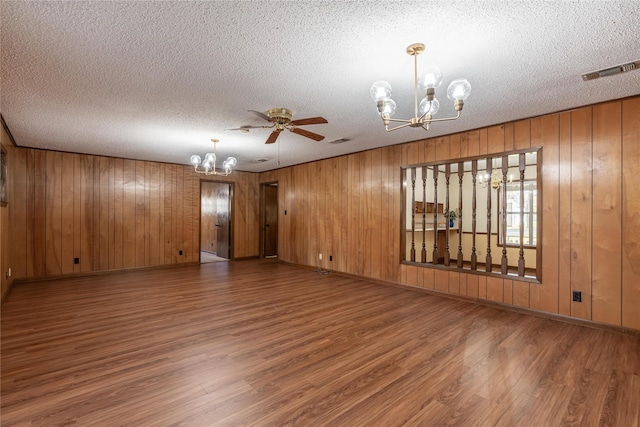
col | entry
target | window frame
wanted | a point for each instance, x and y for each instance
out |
(405, 191)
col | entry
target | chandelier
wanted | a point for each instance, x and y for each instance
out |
(429, 80)
(208, 165)
(495, 180)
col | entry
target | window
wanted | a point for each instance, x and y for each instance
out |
(529, 215)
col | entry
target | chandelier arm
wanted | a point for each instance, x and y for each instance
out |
(395, 120)
(444, 119)
(386, 126)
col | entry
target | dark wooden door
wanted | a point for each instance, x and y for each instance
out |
(270, 212)
(223, 221)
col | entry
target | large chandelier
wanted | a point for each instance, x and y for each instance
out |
(208, 165)
(429, 80)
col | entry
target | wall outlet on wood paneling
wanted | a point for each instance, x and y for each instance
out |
(577, 296)
(331, 258)
(320, 257)
(180, 252)
(76, 260)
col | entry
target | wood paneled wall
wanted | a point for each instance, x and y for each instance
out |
(5, 218)
(113, 213)
(349, 207)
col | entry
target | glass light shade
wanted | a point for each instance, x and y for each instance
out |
(195, 160)
(430, 78)
(459, 89)
(433, 108)
(380, 91)
(210, 158)
(232, 161)
(389, 108)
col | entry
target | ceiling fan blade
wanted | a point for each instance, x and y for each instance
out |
(242, 128)
(261, 115)
(272, 138)
(307, 134)
(309, 121)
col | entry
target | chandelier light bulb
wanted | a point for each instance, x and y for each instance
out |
(430, 78)
(389, 108)
(429, 108)
(459, 90)
(210, 158)
(195, 160)
(380, 91)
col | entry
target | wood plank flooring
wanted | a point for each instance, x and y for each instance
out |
(260, 343)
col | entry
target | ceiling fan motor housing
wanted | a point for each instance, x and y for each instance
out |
(281, 116)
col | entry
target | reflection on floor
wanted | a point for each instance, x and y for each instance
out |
(207, 257)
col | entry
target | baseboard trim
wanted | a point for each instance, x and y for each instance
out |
(103, 272)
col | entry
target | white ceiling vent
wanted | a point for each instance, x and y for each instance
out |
(611, 71)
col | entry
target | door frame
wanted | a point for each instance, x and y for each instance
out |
(262, 215)
(231, 185)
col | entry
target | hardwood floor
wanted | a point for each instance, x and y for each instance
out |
(261, 343)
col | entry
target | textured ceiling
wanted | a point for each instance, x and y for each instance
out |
(158, 80)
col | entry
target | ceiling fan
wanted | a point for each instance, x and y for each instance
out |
(281, 120)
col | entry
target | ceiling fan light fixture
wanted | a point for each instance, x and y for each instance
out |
(428, 80)
(280, 119)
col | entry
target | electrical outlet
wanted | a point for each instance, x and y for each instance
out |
(76, 260)
(320, 257)
(180, 252)
(331, 258)
(9, 272)
(577, 296)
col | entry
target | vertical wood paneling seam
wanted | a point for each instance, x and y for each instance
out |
(591, 109)
(570, 214)
(559, 217)
(622, 206)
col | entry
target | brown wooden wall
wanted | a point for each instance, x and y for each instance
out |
(349, 207)
(113, 213)
(5, 218)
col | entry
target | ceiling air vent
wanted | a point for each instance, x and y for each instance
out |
(261, 160)
(611, 71)
(339, 141)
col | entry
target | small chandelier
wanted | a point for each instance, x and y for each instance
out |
(208, 165)
(428, 80)
(495, 180)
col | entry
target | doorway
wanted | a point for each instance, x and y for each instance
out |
(269, 220)
(215, 221)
